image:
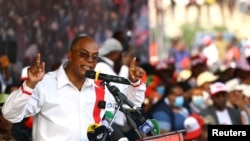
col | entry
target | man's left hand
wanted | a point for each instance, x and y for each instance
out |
(135, 72)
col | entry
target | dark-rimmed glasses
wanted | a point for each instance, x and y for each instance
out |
(85, 55)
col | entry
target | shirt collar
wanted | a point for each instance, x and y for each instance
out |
(63, 79)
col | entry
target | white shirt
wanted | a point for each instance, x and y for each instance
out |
(211, 53)
(223, 117)
(61, 112)
(107, 67)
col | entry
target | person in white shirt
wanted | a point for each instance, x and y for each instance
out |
(64, 102)
(210, 51)
(219, 111)
(114, 61)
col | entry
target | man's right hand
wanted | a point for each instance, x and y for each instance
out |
(36, 72)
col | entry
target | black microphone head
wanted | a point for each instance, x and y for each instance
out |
(90, 74)
(106, 77)
(101, 133)
(137, 116)
(114, 90)
(116, 135)
(91, 130)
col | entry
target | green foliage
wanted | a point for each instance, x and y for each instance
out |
(219, 28)
(188, 33)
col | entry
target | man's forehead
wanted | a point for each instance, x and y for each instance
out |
(87, 45)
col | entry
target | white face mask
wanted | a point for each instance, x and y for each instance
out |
(198, 100)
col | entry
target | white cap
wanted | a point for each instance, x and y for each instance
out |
(246, 90)
(233, 84)
(238, 88)
(109, 46)
(217, 87)
(204, 77)
(191, 124)
(184, 75)
(206, 39)
(247, 52)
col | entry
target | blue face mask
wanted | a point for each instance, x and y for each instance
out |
(160, 90)
(179, 100)
(198, 100)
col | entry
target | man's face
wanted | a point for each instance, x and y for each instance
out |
(82, 57)
(220, 100)
(206, 86)
(176, 92)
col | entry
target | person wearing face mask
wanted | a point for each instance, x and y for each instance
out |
(160, 89)
(169, 110)
(197, 102)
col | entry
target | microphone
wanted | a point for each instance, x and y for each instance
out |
(146, 126)
(117, 135)
(101, 133)
(107, 120)
(109, 114)
(91, 130)
(97, 132)
(120, 96)
(156, 127)
(106, 77)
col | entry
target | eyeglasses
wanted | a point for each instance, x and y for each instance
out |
(85, 55)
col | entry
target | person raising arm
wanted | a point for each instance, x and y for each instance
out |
(64, 102)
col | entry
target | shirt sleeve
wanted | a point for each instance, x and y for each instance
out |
(124, 71)
(17, 106)
(136, 93)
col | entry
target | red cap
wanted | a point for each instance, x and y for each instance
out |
(193, 125)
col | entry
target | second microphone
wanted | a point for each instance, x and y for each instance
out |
(106, 77)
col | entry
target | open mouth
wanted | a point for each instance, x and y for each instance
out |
(86, 67)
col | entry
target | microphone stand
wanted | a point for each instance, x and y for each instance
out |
(120, 99)
(132, 123)
(117, 108)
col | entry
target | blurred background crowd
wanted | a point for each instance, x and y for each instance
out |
(196, 53)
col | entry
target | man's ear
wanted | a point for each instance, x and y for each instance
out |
(69, 55)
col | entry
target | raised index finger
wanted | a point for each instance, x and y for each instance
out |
(132, 64)
(38, 59)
